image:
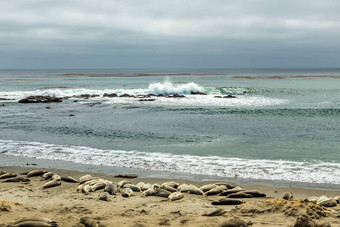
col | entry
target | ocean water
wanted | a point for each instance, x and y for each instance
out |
(283, 125)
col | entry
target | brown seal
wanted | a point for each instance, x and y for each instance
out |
(18, 179)
(239, 195)
(105, 196)
(51, 184)
(287, 196)
(8, 175)
(227, 201)
(37, 172)
(69, 179)
(88, 222)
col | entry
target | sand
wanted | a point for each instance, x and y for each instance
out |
(66, 206)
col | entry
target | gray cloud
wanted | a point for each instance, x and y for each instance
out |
(169, 33)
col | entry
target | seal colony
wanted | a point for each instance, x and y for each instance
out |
(42, 197)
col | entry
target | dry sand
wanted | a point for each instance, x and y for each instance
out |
(66, 206)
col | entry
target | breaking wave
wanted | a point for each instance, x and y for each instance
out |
(307, 172)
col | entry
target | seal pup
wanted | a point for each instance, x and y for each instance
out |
(84, 178)
(229, 186)
(239, 195)
(86, 189)
(99, 185)
(34, 222)
(195, 190)
(69, 179)
(122, 183)
(149, 192)
(168, 188)
(133, 187)
(37, 172)
(56, 177)
(231, 191)
(287, 196)
(47, 176)
(214, 191)
(208, 187)
(88, 222)
(141, 185)
(8, 175)
(51, 184)
(227, 201)
(146, 187)
(175, 196)
(254, 193)
(171, 184)
(161, 192)
(105, 196)
(17, 179)
(127, 192)
(111, 189)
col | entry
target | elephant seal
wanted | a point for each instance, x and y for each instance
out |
(84, 178)
(175, 196)
(172, 184)
(254, 193)
(231, 191)
(183, 188)
(56, 177)
(218, 212)
(122, 183)
(161, 192)
(111, 189)
(105, 196)
(127, 192)
(168, 188)
(37, 172)
(47, 176)
(208, 187)
(287, 196)
(86, 189)
(229, 186)
(195, 190)
(100, 184)
(69, 179)
(149, 192)
(51, 184)
(227, 201)
(17, 179)
(2, 172)
(88, 222)
(239, 195)
(35, 222)
(133, 187)
(213, 191)
(8, 175)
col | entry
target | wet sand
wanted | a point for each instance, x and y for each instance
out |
(66, 206)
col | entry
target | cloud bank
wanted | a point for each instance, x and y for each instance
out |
(169, 33)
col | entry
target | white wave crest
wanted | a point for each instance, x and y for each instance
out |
(167, 87)
(321, 172)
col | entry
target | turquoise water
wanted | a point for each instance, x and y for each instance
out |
(282, 125)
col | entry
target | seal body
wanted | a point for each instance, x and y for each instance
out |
(127, 192)
(175, 196)
(51, 184)
(17, 179)
(122, 183)
(88, 222)
(227, 201)
(47, 176)
(111, 189)
(69, 179)
(287, 196)
(195, 190)
(105, 196)
(37, 172)
(8, 175)
(208, 187)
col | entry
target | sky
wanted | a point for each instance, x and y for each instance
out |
(169, 34)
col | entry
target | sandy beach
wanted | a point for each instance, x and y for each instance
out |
(64, 205)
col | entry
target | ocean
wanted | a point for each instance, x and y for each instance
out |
(282, 126)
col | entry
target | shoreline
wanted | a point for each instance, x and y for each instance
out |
(66, 206)
(12, 161)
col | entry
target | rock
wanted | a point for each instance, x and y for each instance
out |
(40, 99)
(126, 96)
(146, 100)
(304, 221)
(175, 96)
(312, 199)
(197, 93)
(229, 97)
(235, 222)
(112, 95)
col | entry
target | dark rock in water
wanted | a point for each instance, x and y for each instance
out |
(5, 99)
(126, 96)
(40, 99)
(146, 100)
(112, 95)
(127, 175)
(198, 93)
(94, 95)
(218, 96)
(175, 96)
(160, 95)
(229, 97)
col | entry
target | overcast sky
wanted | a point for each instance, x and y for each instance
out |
(169, 33)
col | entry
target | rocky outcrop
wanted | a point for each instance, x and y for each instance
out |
(40, 99)
(112, 95)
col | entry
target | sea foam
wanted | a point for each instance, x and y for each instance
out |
(308, 172)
